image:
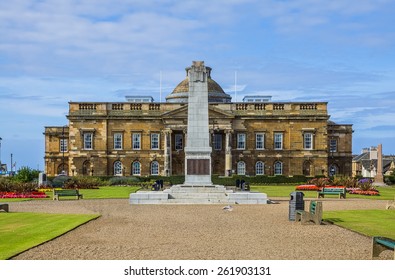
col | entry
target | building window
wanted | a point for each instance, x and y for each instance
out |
(117, 141)
(88, 138)
(308, 141)
(241, 168)
(278, 141)
(217, 142)
(63, 145)
(259, 168)
(178, 142)
(136, 141)
(259, 141)
(333, 170)
(154, 168)
(241, 141)
(154, 141)
(136, 170)
(278, 168)
(333, 146)
(117, 168)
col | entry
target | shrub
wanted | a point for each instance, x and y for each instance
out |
(320, 182)
(83, 182)
(347, 182)
(365, 184)
(26, 174)
(123, 181)
(59, 181)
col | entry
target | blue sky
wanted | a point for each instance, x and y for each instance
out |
(53, 52)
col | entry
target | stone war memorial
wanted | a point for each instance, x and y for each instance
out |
(197, 187)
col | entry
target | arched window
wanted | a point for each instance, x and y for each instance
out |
(241, 168)
(136, 170)
(307, 168)
(259, 168)
(63, 169)
(86, 166)
(118, 168)
(154, 168)
(278, 168)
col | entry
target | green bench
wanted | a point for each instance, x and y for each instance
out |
(341, 192)
(313, 215)
(4, 207)
(381, 244)
(67, 192)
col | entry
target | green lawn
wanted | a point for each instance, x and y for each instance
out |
(367, 222)
(386, 193)
(104, 192)
(108, 192)
(21, 231)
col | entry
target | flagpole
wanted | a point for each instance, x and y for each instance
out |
(160, 86)
(235, 86)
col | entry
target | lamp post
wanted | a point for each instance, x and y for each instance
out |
(62, 146)
(0, 151)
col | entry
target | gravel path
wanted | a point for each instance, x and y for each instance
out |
(190, 232)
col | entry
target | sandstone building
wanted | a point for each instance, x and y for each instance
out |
(140, 137)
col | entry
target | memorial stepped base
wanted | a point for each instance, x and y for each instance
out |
(181, 194)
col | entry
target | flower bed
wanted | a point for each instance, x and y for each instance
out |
(362, 192)
(307, 188)
(314, 187)
(33, 194)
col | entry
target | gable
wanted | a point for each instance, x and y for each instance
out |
(182, 113)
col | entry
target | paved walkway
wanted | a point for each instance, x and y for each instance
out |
(133, 232)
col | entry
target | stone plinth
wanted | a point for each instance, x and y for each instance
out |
(183, 194)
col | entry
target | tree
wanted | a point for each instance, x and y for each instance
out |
(26, 174)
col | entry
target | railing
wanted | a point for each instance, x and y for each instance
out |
(135, 107)
(117, 107)
(308, 107)
(86, 106)
(154, 107)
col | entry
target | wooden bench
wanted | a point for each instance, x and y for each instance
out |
(4, 207)
(380, 244)
(66, 192)
(313, 215)
(341, 192)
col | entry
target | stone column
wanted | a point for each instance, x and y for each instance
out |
(167, 153)
(228, 153)
(379, 178)
(197, 149)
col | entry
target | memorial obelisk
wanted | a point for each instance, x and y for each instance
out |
(379, 178)
(197, 149)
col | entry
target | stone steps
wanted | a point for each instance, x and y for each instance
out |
(197, 195)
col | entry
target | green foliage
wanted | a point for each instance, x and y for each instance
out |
(8, 184)
(26, 174)
(390, 180)
(321, 182)
(347, 182)
(123, 181)
(259, 180)
(83, 182)
(59, 181)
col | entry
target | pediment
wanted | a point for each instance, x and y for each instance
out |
(182, 113)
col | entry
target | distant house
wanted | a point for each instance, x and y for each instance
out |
(365, 164)
(3, 168)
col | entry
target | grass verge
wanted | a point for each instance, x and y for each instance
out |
(367, 222)
(22, 231)
(386, 193)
